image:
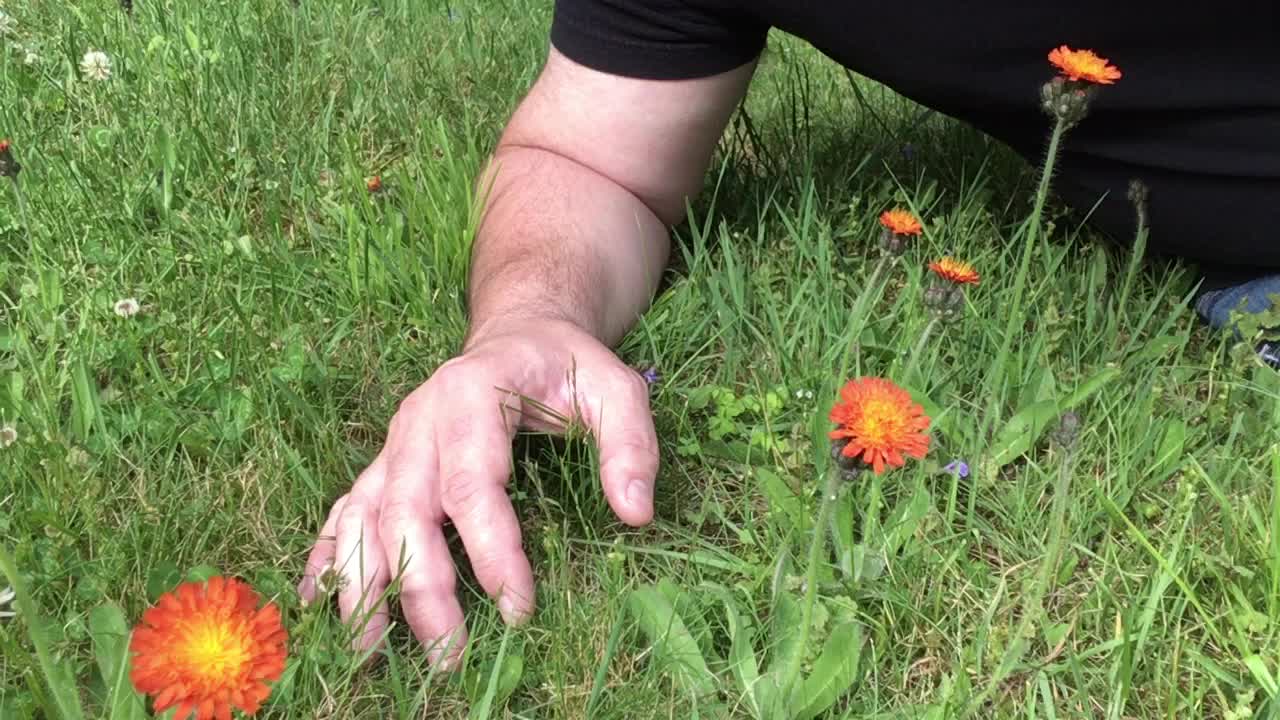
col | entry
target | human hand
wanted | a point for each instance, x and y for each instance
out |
(447, 457)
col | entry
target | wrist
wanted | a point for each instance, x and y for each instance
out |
(491, 326)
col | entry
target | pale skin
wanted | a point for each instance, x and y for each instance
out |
(590, 172)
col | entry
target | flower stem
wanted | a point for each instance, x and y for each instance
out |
(858, 315)
(914, 358)
(996, 377)
(1028, 249)
(817, 544)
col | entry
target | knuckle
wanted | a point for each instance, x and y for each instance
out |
(487, 567)
(356, 517)
(461, 491)
(631, 382)
(633, 449)
(354, 507)
(408, 409)
(394, 517)
(456, 430)
(417, 402)
(458, 372)
(428, 583)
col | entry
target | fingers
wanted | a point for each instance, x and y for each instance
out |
(623, 425)
(474, 446)
(415, 547)
(320, 560)
(360, 560)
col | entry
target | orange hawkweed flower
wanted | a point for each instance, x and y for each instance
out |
(955, 271)
(880, 422)
(900, 222)
(4, 146)
(374, 184)
(1083, 65)
(206, 647)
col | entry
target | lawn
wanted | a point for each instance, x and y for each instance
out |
(218, 177)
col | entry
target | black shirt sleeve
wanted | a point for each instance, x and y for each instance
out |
(657, 39)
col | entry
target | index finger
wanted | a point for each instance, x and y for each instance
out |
(414, 543)
(474, 445)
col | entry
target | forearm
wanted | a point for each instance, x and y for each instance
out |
(558, 240)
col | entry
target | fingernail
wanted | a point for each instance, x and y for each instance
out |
(445, 654)
(512, 611)
(639, 493)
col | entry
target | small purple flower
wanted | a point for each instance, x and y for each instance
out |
(651, 375)
(959, 468)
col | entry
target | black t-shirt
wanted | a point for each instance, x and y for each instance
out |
(1196, 115)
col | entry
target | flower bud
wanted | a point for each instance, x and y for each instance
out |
(892, 243)
(848, 466)
(1068, 430)
(1066, 100)
(944, 300)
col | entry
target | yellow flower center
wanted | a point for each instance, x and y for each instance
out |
(1088, 66)
(215, 650)
(881, 422)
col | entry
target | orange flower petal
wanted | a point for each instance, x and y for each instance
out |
(1083, 65)
(901, 222)
(955, 271)
(206, 648)
(881, 423)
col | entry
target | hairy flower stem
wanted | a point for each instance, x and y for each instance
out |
(1015, 311)
(916, 352)
(817, 544)
(1028, 249)
(858, 316)
(1135, 260)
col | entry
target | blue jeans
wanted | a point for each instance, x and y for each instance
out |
(1216, 306)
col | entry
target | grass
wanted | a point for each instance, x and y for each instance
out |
(218, 177)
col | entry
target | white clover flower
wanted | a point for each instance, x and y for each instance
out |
(127, 307)
(8, 435)
(6, 596)
(95, 65)
(7, 23)
(30, 57)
